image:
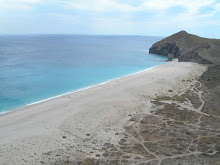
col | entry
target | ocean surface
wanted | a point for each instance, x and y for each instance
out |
(37, 67)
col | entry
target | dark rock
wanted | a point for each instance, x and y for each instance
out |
(97, 155)
(165, 49)
(188, 47)
(193, 57)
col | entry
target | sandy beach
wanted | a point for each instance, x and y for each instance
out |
(78, 125)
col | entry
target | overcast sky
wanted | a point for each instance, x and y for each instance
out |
(124, 17)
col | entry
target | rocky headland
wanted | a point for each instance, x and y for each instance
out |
(187, 47)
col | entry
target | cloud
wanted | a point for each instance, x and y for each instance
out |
(217, 7)
(110, 16)
(191, 6)
(64, 17)
(185, 12)
(99, 5)
(158, 5)
(11, 2)
(8, 5)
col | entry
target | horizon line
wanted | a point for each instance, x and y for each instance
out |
(81, 34)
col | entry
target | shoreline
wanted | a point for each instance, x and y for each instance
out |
(85, 124)
(76, 91)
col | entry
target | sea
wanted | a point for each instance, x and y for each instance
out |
(38, 67)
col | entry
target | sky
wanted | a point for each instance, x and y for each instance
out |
(110, 17)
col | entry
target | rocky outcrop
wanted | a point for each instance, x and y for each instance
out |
(188, 47)
(168, 48)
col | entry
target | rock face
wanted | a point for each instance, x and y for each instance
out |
(188, 47)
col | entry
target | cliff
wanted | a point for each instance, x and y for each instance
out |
(188, 47)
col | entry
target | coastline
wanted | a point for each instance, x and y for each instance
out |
(75, 91)
(86, 124)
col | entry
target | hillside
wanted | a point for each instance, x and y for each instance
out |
(188, 47)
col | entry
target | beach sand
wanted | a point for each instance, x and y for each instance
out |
(80, 124)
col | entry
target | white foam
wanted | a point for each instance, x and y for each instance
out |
(82, 89)
(3, 112)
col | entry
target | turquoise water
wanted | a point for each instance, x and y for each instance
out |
(36, 67)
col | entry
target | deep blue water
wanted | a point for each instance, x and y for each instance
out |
(36, 67)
